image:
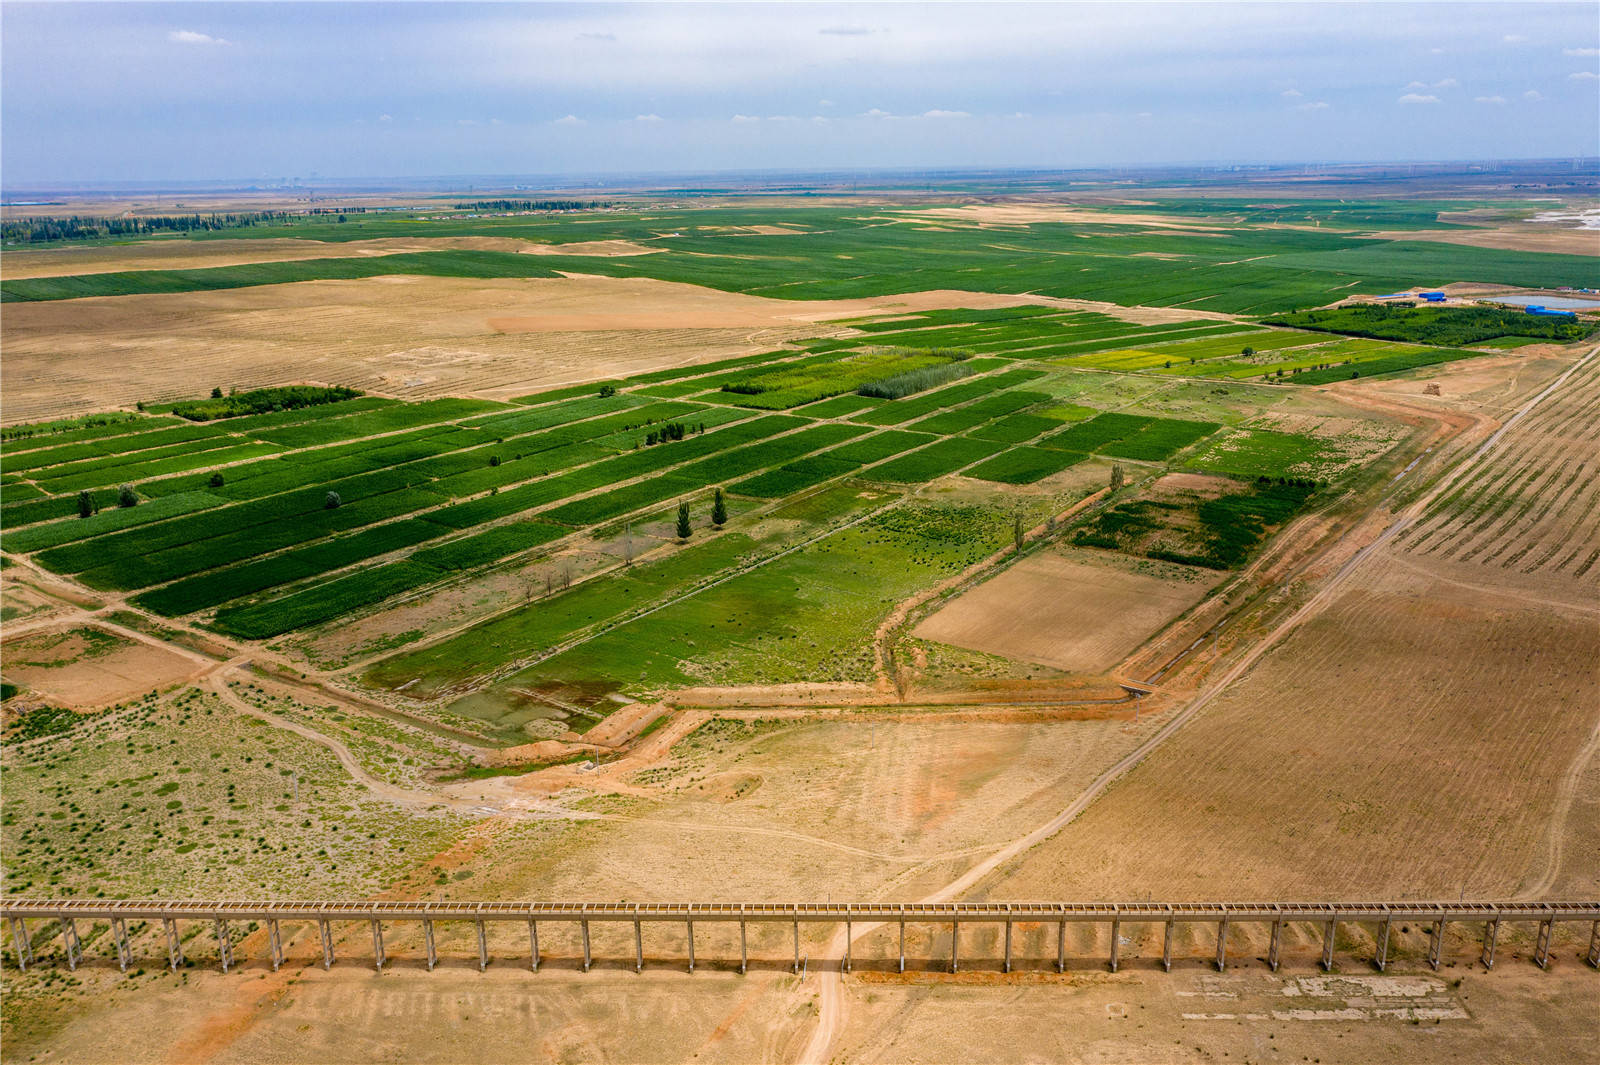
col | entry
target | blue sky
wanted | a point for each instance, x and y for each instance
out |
(202, 91)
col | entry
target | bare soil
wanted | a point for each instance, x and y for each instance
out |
(1075, 610)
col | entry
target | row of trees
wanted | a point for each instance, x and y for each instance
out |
(89, 504)
(85, 227)
(533, 205)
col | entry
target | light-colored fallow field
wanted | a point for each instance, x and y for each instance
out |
(410, 337)
(1076, 610)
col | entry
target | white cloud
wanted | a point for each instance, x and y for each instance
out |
(1291, 94)
(1315, 105)
(937, 113)
(824, 103)
(1584, 75)
(876, 112)
(1533, 96)
(1580, 52)
(845, 31)
(1418, 98)
(1488, 99)
(1436, 51)
(192, 37)
(652, 117)
(385, 118)
(1515, 38)
(1416, 86)
(1142, 114)
(745, 118)
(1447, 83)
(569, 120)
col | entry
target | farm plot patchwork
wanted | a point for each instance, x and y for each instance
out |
(1215, 523)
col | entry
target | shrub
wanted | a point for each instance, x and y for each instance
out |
(331, 501)
(86, 504)
(607, 391)
(126, 496)
(216, 480)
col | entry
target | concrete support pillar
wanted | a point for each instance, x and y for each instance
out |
(1328, 928)
(377, 944)
(744, 949)
(224, 944)
(1166, 949)
(903, 942)
(533, 943)
(1006, 967)
(1593, 957)
(797, 948)
(275, 943)
(483, 945)
(1222, 944)
(1381, 957)
(1491, 934)
(325, 934)
(1435, 944)
(690, 925)
(1061, 946)
(1541, 950)
(847, 937)
(1277, 942)
(427, 943)
(588, 957)
(174, 944)
(19, 939)
(119, 936)
(1116, 938)
(955, 946)
(69, 940)
(638, 946)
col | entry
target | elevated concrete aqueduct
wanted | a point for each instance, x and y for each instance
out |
(67, 912)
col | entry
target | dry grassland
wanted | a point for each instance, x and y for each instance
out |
(1074, 610)
(1020, 214)
(91, 668)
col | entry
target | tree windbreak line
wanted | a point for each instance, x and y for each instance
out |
(84, 227)
(1448, 326)
(261, 401)
(533, 205)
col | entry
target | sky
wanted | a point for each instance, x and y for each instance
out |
(132, 92)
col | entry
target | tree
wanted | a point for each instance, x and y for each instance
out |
(1116, 476)
(494, 460)
(1247, 351)
(216, 392)
(216, 480)
(607, 391)
(86, 504)
(684, 528)
(126, 497)
(332, 501)
(719, 509)
(1017, 533)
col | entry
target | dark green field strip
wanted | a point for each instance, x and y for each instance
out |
(286, 472)
(222, 585)
(105, 448)
(840, 406)
(671, 389)
(41, 537)
(975, 414)
(1376, 367)
(254, 423)
(880, 446)
(384, 420)
(28, 511)
(786, 480)
(493, 643)
(485, 264)
(85, 469)
(1145, 335)
(741, 461)
(654, 377)
(519, 422)
(1017, 428)
(17, 491)
(933, 461)
(196, 528)
(141, 571)
(490, 545)
(176, 463)
(1160, 440)
(612, 471)
(1024, 465)
(899, 411)
(260, 621)
(19, 438)
(954, 316)
(630, 497)
(1097, 432)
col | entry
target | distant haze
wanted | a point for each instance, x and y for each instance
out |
(201, 91)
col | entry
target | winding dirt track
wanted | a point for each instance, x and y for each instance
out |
(830, 1011)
